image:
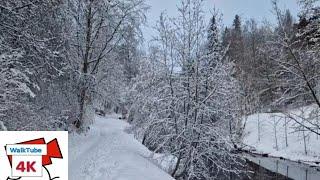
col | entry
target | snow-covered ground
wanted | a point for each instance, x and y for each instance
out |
(107, 152)
(281, 140)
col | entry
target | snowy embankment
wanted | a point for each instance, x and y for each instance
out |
(107, 152)
(280, 136)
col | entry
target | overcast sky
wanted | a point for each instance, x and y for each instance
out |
(258, 9)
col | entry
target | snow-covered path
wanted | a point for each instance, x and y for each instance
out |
(109, 153)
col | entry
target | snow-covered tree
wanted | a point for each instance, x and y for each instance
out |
(96, 29)
(57, 57)
(185, 97)
(296, 60)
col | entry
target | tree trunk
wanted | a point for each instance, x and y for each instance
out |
(286, 130)
(85, 67)
(176, 166)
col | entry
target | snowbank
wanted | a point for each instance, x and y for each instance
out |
(280, 136)
(106, 152)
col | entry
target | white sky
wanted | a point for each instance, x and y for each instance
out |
(257, 9)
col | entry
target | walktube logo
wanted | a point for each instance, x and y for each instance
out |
(36, 157)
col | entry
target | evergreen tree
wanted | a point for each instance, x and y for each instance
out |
(213, 35)
(236, 50)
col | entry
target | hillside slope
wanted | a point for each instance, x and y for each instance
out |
(277, 135)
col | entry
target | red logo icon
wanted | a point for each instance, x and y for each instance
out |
(31, 165)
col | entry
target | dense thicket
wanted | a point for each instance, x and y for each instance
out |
(277, 67)
(35, 75)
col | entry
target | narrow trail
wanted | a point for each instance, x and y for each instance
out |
(109, 153)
